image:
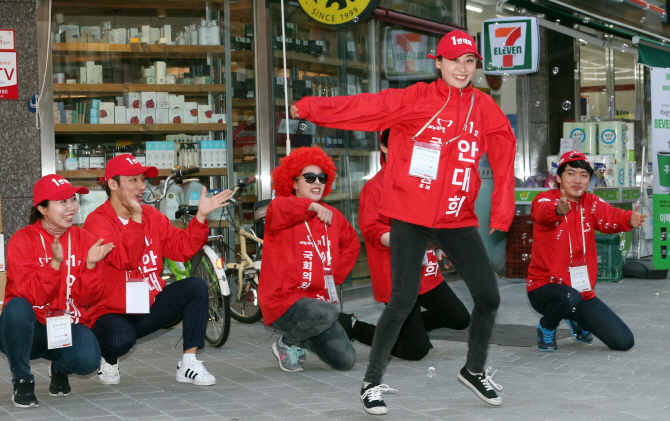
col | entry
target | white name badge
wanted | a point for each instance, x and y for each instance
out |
(330, 285)
(425, 161)
(59, 330)
(137, 296)
(579, 278)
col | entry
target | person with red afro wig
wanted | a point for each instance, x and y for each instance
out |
(291, 165)
(309, 247)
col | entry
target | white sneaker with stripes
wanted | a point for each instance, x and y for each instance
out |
(195, 373)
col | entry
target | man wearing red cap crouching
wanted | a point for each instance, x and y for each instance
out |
(562, 271)
(142, 236)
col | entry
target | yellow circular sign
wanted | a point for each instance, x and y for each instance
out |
(338, 12)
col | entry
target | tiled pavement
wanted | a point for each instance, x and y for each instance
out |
(576, 383)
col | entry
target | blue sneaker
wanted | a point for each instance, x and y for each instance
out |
(578, 334)
(546, 339)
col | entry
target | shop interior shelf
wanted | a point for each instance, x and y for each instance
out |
(95, 174)
(333, 151)
(83, 89)
(138, 128)
(94, 51)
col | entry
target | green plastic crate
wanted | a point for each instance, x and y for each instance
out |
(609, 255)
(614, 275)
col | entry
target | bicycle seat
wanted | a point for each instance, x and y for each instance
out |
(260, 210)
(191, 210)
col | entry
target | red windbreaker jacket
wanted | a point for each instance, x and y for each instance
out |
(291, 269)
(373, 225)
(30, 276)
(552, 236)
(140, 245)
(449, 201)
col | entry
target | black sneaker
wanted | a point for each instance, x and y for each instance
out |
(24, 393)
(60, 385)
(578, 334)
(546, 339)
(373, 401)
(482, 384)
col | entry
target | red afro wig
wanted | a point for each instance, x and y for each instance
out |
(291, 167)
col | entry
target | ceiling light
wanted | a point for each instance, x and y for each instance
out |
(474, 9)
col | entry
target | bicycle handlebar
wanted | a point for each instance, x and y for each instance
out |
(191, 210)
(177, 174)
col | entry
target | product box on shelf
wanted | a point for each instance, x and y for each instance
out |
(131, 99)
(148, 99)
(90, 77)
(176, 115)
(176, 101)
(107, 113)
(204, 114)
(218, 118)
(162, 116)
(162, 100)
(148, 115)
(611, 138)
(132, 115)
(119, 115)
(191, 112)
(82, 75)
(213, 153)
(629, 141)
(584, 132)
(160, 72)
(160, 154)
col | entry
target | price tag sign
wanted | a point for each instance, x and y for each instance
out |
(7, 40)
(9, 79)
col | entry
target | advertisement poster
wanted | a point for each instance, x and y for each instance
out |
(510, 45)
(9, 80)
(405, 55)
(660, 134)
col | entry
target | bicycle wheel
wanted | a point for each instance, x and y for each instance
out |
(246, 309)
(218, 320)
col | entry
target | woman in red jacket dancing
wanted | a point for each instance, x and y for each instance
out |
(562, 273)
(38, 291)
(439, 131)
(309, 248)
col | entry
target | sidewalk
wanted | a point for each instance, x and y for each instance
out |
(576, 383)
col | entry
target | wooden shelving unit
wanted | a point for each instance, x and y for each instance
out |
(321, 64)
(77, 52)
(64, 90)
(137, 128)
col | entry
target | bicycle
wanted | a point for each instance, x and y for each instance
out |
(206, 264)
(243, 276)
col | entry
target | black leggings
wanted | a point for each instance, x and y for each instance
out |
(467, 253)
(443, 309)
(117, 333)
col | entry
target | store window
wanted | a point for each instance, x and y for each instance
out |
(152, 80)
(443, 11)
(595, 98)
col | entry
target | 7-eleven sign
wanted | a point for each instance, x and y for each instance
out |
(510, 45)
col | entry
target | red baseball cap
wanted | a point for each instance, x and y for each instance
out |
(54, 187)
(126, 164)
(455, 44)
(573, 156)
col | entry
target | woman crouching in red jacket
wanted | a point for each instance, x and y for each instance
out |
(308, 246)
(563, 270)
(44, 315)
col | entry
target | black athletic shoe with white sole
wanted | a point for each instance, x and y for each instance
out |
(60, 385)
(24, 393)
(373, 401)
(482, 384)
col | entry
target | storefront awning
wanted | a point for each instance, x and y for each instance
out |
(652, 56)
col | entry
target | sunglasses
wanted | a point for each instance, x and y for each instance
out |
(310, 177)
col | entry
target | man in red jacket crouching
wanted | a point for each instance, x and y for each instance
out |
(563, 270)
(137, 302)
(309, 248)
